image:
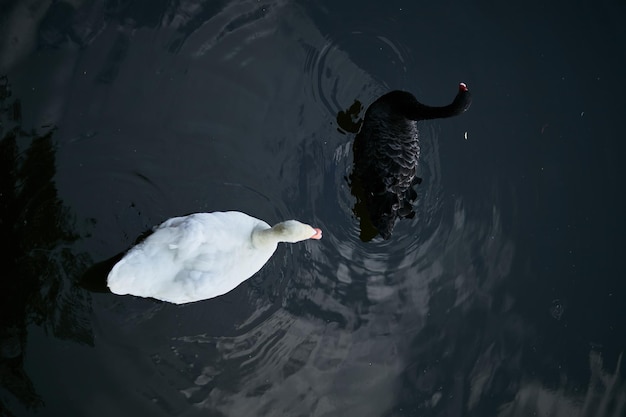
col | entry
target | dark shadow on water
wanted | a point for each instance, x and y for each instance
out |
(366, 227)
(39, 265)
(95, 278)
(349, 121)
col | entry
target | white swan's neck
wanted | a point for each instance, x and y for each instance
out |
(264, 237)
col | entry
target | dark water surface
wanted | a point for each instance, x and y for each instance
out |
(504, 296)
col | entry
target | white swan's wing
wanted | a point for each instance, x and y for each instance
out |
(158, 259)
(191, 258)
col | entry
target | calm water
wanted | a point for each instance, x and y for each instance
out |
(504, 296)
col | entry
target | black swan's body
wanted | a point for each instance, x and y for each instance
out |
(386, 153)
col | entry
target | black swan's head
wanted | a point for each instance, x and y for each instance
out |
(462, 101)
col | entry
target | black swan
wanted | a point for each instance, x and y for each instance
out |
(386, 153)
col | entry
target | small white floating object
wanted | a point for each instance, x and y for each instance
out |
(201, 256)
(465, 135)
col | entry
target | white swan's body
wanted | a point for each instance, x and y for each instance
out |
(201, 256)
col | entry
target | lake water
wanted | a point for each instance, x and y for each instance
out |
(503, 296)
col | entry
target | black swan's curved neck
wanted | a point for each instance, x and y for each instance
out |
(407, 105)
(424, 112)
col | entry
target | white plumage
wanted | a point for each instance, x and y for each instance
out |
(201, 256)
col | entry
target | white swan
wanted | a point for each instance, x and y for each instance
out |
(201, 256)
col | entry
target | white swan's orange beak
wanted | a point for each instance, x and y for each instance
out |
(318, 234)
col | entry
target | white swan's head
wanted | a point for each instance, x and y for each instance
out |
(293, 231)
(290, 231)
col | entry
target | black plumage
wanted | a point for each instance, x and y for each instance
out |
(387, 150)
